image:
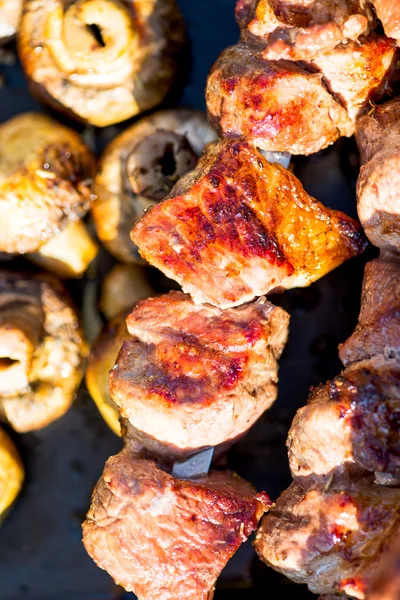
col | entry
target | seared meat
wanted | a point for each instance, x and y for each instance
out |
(330, 538)
(239, 227)
(388, 12)
(275, 105)
(385, 585)
(140, 167)
(11, 474)
(378, 329)
(45, 181)
(101, 61)
(195, 376)
(10, 14)
(378, 139)
(300, 29)
(41, 350)
(165, 538)
(354, 420)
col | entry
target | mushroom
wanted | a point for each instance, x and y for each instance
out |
(122, 287)
(11, 474)
(140, 167)
(10, 15)
(46, 175)
(42, 350)
(101, 61)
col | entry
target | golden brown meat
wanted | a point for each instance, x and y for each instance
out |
(46, 174)
(42, 350)
(276, 105)
(298, 30)
(378, 196)
(330, 538)
(11, 474)
(122, 287)
(294, 107)
(353, 421)
(195, 376)
(101, 61)
(239, 227)
(140, 167)
(165, 538)
(378, 328)
(10, 14)
(101, 360)
(388, 11)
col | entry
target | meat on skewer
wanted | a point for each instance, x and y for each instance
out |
(388, 11)
(239, 227)
(167, 538)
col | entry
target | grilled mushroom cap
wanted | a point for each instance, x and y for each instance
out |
(42, 350)
(11, 474)
(122, 287)
(140, 167)
(102, 61)
(10, 14)
(45, 181)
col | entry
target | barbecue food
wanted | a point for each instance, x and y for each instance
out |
(330, 537)
(195, 376)
(101, 61)
(385, 585)
(239, 227)
(388, 12)
(101, 360)
(10, 14)
(378, 329)
(291, 107)
(352, 421)
(166, 538)
(45, 185)
(11, 474)
(378, 139)
(41, 350)
(140, 167)
(122, 287)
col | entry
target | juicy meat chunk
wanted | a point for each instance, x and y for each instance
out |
(330, 538)
(165, 538)
(277, 106)
(378, 328)
(388, 12)
(239, 227)
(352, 421)
(378, 196)
(386, 583)
(195, 376)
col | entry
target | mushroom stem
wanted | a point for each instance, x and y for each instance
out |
(69, 253)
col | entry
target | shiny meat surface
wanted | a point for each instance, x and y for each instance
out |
(165, 538)
(330, 537)
(388, 12)
(239, 227)
(46, 176)
(378, 196)
(42, 350)
(352, 421)
(275, 105)
(378, 328)
(195, 376)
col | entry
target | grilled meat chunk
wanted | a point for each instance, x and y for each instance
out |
(195, 376)
(385, 585)
(277, 106)
(101, 61)
(330, 537)
(240, 227)
(388, 12)
(378, 196)
(11, 474)
(165, 538)
(352, 421)
(42, 350)
(140, 167)
(378, 328)
(10, 14)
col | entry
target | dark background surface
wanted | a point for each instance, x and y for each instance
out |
(41, 555)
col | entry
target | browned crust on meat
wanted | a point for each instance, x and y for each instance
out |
(388, 11)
